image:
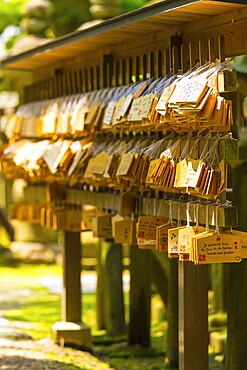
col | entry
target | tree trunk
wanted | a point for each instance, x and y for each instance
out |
(113, 300)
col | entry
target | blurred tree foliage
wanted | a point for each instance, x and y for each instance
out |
(69, 15)
(11, 12)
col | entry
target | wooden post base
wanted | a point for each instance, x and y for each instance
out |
(73, 334)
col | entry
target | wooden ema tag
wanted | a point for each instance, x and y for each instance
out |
(87, 215)
(152, 165)
(18, 125)
(117, 112)
(125, 164)
(141, 171)
(137, 172)
(181, 172)
(62, 126)
(160, 170)
(91, 115)
(173, 239)
(242, 241)
(146, 230)
(188, 90)
(125, 231)
(115, 219)
(77, 122)
(99, 117)
(154, 115)
(193, 240)
(185, 235)
(48, 123)
(11, 121)
(110, 166)
(219, 248)
(76, 160)
(135, 110)
(49, 217)
(164, 173)
(100, 162)
(126, 105)
(66, 160)
(102, 226)
(90, 168)
(208, 109)
(25, 212)
(109, 111)
(146, 105)
(54, 155)
(161, 106)
(31, 127)
(73, 219)
(62, 218)
(162, 236)
(192, 173)
(211, 181)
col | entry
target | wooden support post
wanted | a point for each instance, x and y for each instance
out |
(140, 296)
(70, 330)
(172, 314)
(193, 316)
(100, 291)
(71, 295)
(237, 282)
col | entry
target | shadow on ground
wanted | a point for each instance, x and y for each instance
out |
(21, 362)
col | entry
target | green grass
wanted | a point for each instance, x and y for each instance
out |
(38, 309)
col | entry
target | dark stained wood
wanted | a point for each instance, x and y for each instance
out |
(71, 293)
(237, 281)
(140, 296)
(193, 316)
(172, 314)
(100, 291)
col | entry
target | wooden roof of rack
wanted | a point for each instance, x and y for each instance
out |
(129, 27)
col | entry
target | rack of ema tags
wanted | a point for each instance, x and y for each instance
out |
(144, 163)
